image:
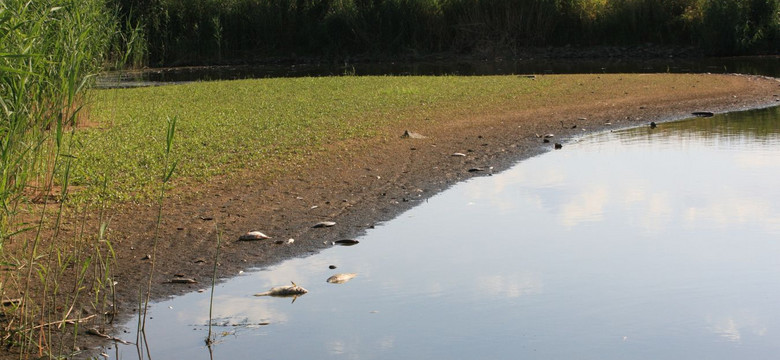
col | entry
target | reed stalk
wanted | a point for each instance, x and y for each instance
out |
(209, 338)
(169, 168)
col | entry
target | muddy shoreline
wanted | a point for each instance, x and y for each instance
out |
(361, 183)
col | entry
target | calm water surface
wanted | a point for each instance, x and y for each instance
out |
(766, 65)
(635, 244)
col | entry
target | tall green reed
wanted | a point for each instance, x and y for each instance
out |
(48, 52)
(167, 173)
(209, 339)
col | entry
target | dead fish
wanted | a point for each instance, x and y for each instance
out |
(458, 154)
(412, 135)
(284, 242)
(702, 113)
(341, 278)
(253, 235)
(322, 224)
(345, 242)
(183, 280)
(284, 291)
(96, 332)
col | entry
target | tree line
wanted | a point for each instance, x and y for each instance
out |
(213, 31)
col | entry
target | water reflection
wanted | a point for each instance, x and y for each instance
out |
(640, 244)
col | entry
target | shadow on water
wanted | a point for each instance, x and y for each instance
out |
(640, 244)
(747, 65)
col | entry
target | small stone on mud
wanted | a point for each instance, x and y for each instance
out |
(201, 290)
(546, 141)
(146, 257)
(558, 146)
(323, 224)
(332, 267)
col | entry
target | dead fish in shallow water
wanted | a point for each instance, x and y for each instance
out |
(253, 235)
(345, 242)
(341, 278)
(323, 224)
(284, 291)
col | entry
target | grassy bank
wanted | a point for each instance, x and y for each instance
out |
(265, 126)
(208, 31)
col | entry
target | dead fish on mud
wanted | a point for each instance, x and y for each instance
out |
(345, 242)
(323, 224)
(253, 235)
(284, 291)
(341, 278)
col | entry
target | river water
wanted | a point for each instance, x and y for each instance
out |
(635, 244)
(765, 65)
